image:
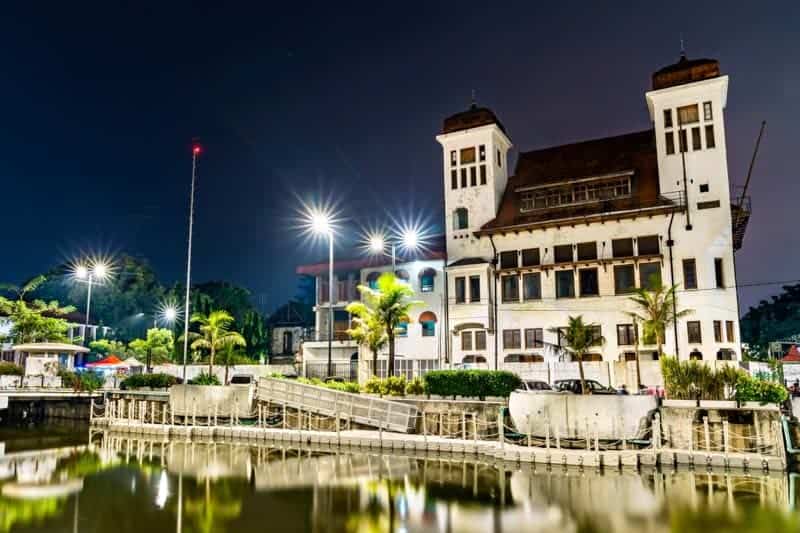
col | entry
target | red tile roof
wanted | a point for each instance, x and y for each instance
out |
(633, 153)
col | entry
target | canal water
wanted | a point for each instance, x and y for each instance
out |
(65, 479)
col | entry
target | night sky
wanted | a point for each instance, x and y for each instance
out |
(302, 100)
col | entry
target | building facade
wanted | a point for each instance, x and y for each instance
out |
(576, 228)
(419, 346)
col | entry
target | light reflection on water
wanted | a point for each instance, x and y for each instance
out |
(121, 483)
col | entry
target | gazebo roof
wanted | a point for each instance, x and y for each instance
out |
(50, 347)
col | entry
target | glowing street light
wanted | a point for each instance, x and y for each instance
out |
(93, 274)
(409, 240)
(320, 222)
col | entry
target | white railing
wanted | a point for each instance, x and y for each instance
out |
(362, 409)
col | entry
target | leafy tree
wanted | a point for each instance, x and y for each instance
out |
(20, 291)
(772, 320)
(368, 330)
(579, 337)
(391, 303)
(107, 346)
(158, 346)
(215, 334)
(36, 321)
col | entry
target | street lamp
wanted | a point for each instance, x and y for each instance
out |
(320, 222)
(93, 274)
(166, 313)
(408, 240)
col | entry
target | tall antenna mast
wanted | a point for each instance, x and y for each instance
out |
(752, 164)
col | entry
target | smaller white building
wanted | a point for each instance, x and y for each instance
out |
(420, 346)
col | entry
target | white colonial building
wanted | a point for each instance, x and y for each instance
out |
(573, 229)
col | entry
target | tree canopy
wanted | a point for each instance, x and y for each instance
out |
(771, 321)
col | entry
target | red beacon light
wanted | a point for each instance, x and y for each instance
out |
(196, 149)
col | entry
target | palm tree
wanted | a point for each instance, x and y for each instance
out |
(579, 337)
(657, 308)
(390, 301)
(21, 290)
(215, 334)
(367, 331)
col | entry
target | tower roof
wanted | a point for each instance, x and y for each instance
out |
(471, 118)
(685, 71)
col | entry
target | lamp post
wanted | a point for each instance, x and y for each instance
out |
(321, 224)
(408, 239)
(195, 154)
(91, 275)
(166, 314)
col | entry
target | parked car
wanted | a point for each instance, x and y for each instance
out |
(242, 379)
(533, 385)
(574, 386)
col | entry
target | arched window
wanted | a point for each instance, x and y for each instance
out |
(523, 358)
(426, 279)
(696, 355)
(428, 322)
(402, 329)
(372, 280)
(402, 275)
(473, 359)
(460, 218)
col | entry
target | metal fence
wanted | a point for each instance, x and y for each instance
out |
(409, 368)
(347, 370)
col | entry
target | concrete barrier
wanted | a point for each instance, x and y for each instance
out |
(205, 400)
(610, 416)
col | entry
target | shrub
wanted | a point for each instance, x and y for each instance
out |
(749, 389)
(415, 387)
(343, 386)
(395, 385)
(471, 383)
(87, 381)
(375, 385)
(154, 381)
(205, 379)
(10, 369)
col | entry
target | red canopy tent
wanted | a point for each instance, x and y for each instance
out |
(792, 356)
(107, 362)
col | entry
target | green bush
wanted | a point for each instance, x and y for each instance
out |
(154, 381)
(343, 386)
(749, 389)
(395, 386)
(415, 387)
(471, 383)
(10, 369)
(375, 385)
(205, 379)
(86, 381)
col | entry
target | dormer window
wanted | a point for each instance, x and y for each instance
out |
(579, 193)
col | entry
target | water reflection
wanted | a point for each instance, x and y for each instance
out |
(121, 483)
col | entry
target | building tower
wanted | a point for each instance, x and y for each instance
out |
(686, 105)
(475, 168)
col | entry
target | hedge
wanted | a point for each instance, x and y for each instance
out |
(10, 369)
(471, 383)
(205, 379)
(154, 381)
